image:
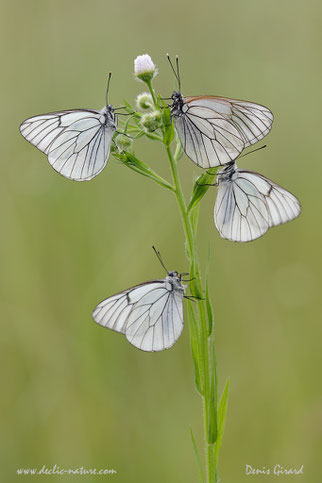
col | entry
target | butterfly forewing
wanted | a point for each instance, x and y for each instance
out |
(248, 204)
(149, 315)
(77, 142)
(208, 139)
(214, 130)
(240, 213)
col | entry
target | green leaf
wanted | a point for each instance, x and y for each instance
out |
(197, 455)
(201, 187)
(194, 285)
(194, 215)
(139, 134)
(179, 150)
(132, 162)
(128, 106)
(210, 312)
(222, 411)
(153, 137)
(212, 410)
(167, 123)
(193, 327)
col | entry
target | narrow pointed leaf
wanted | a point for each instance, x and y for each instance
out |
(132, 162)
(168, 125)
(197, 455)
(128, 106)
(194, 215)
(153, 137)
(179, 150)
(213, 422)
(193, 326)
(194, 285)
(222, 411)
(201, 187)
(210, 312)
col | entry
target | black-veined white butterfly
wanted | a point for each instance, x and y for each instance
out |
(77, 141)
(248, 204)
(214, 130)
(150, 315)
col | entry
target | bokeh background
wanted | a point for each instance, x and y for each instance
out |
(74, 394)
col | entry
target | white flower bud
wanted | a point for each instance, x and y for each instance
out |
(144, 101)
(123, 142)
(144, 68)
(151, 121)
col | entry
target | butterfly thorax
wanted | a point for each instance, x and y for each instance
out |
(227, 173)
(108, 113)
(174, 280)
(177, 105)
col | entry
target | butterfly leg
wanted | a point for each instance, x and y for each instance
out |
(206, 184)
(193, 298)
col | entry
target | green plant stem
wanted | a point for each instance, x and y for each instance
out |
(149, 84)
(205, 367)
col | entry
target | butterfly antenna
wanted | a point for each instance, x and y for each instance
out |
(108, 87)
(178, 73)
(173, 70)
(159, 257)
(253, 151)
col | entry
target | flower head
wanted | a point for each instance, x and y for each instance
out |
(151, 121)
(144, 101)
(123, 142)
(144, 68)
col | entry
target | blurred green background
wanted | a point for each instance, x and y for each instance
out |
(74, 394)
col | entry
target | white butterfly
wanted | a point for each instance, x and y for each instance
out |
(77, 141)
(150, 315)
(248, 204)
(214, 130)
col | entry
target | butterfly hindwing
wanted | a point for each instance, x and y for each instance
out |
(282, 205)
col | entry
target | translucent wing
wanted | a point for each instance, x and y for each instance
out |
(282, 206)
(150, 315)
(207, 137)
(77, 142)
(253, 121)
(248, 204)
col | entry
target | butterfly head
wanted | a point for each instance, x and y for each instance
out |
(174, 279)
(174, 274)
(108, 113)
(108, 109)
(177, 102)
(227, 173)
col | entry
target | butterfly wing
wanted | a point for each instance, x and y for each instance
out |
(249, 204)
(207, 137)
(282, 205)
(77, 142)
(240, 212)
(253, 121)
(150, 315)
